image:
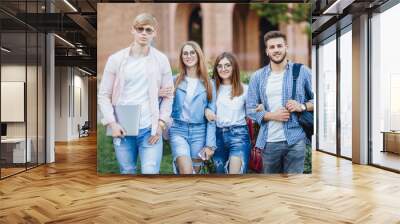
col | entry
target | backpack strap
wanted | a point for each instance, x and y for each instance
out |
(295, 74)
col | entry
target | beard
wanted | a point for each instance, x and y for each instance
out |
(280, 60)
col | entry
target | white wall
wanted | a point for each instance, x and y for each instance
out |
(79, 117)
(69, 85)
(61, 103)
(16, 73)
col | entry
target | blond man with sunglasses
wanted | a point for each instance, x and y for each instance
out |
(134, 76)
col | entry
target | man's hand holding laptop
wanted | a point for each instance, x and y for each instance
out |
(117, 130)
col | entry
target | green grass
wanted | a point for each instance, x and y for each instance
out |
(107, 162)
(308, 160)
(245, 77)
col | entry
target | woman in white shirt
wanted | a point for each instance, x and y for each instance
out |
(232, 134)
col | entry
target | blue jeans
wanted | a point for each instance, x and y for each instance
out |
(232, 141)
(188, 140)
(127, 148)
(279, 157)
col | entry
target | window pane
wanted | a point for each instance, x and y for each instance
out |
(346, 94)
(385, 88)
(327, 97)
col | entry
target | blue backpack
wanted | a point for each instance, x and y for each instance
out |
(306, 118)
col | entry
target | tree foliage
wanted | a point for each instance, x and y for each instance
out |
(274, 13)
(281, 12)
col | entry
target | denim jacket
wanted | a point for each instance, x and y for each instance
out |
(197, 108)
(257, 95)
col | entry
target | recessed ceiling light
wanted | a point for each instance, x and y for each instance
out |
(337, 7)
(70, 5)
(64, 40)
(84, 71)
(5, 50)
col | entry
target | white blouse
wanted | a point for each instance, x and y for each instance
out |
(230, 111)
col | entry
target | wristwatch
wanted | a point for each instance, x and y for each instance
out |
(213, 148)
(303, 107)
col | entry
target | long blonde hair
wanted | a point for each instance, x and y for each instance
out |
(201, 68)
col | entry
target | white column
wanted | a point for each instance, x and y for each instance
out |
(50, 92)
(50, 101)
(360, 90)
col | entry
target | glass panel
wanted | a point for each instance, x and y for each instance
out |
(385, 89)
(41, 98)
(31, 98)
(327, 96)
(13, 85)
(23, 87)
(346, 94)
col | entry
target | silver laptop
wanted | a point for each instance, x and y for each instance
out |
(128, 116)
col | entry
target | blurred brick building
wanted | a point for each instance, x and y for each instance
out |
(217, 27)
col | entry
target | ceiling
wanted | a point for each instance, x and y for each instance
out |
(330, 15)
(75, 21)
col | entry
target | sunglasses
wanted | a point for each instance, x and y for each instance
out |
(140, 29)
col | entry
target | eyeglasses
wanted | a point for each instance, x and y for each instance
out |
(140, 29)
(225, 66)
(187, 53)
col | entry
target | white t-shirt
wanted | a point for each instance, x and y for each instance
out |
(230, 111)
(190, 90)
(136, 88)
(274, 96)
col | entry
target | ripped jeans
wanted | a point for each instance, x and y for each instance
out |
(232, 141)
(127, 149)
(187, 140)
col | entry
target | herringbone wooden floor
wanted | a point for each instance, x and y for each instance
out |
(70, 191)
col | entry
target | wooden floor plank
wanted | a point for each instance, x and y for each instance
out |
(70, 191)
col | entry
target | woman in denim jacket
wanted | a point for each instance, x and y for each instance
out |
(233, 142)
(192, 137)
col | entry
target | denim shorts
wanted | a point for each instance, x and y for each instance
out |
(187, 139)
(232, 141)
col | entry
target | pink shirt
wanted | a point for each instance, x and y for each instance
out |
(160, 76)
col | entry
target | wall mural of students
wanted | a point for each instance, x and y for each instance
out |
(203, 118)
(192, 136)
(133, 76)
(281, 137)
(233, 142)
